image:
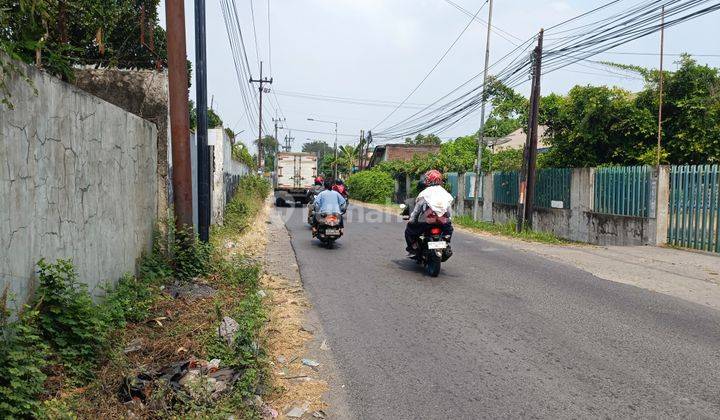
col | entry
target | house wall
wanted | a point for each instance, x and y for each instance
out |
(78, 180)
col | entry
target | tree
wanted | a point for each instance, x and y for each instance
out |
(420, 139)
(214, 120)
(318, 147)
(509, 110)
(270, 147)
(691, 111)
(57, 34)
(592, 126)
(241, 153)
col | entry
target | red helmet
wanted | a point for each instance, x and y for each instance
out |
(319, 180)
(433, 177)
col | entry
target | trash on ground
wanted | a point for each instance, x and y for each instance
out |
(194, 378)
(319, 414)
(297, 412)
(281, 360)
(324, 346)
(261, 293)
(227, 330)
(133, 346)
(310, 362)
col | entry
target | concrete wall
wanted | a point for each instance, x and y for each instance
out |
(145, 94)
(226, 172)
(78, 179)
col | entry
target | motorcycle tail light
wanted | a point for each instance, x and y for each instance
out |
(435, 231)
(331, 218)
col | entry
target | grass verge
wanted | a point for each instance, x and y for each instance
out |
(508, 229)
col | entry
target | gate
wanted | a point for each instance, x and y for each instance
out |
(694, 207)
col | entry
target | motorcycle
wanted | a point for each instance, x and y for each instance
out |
(433, 248)
(328, 228)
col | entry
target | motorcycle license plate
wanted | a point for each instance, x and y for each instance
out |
(332, 231)
(437, 245)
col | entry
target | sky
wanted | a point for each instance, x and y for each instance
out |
(379, 50)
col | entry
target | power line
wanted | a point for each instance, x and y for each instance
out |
(252, 14)
(499, 32)
(269, 38)
(433, 68)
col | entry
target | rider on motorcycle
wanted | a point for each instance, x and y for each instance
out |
(330, 202)
(431, 196)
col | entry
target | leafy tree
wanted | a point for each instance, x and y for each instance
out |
(509, 110)
(270, 147)
(318, 147)
(241, 153)
(596, 125)
(691, 111)
(57, 34)
(420, 139)
(214, 120)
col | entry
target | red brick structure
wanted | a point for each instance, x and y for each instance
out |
(404, 152)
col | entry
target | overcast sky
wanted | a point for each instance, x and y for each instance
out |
(379, 50)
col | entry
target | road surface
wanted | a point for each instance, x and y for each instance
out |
(501, 333)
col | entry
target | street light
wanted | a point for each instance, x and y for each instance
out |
(335, 145)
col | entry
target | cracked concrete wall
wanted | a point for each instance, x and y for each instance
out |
(145, 94)
(78, 180)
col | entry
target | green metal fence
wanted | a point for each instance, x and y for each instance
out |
(452, 181)
(623, 191)
(552, 188)
(695, 207)
(505, 187)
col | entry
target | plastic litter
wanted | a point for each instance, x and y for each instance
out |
(310, 362)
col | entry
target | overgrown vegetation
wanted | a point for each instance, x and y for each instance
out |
(373, 186)
(508, 229)
(244, 205)
(63, 355)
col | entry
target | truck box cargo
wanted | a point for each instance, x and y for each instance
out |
(294, 176)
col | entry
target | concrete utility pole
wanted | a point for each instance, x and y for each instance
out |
(361, 148)
(179, 113)
(660, 98)
(527, 175)
(261, 81)
(481, 135)
(289, 139)
(203, 152)
(276, 121)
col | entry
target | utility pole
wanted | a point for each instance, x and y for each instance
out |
(368, 142)
(288, 141)
(527, 175)
(276, 121)
(261, 81)
(481, 134)
(179, 113)
(660, 98)
(203, 152)
(361, 154)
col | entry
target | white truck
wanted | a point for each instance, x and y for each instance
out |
(294, 177)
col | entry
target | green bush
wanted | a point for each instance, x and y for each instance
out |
(129, 301)
(23, 356)
(371, 186)
(68, 320)
(250, 192)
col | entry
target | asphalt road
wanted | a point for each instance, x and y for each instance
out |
(501, 333)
